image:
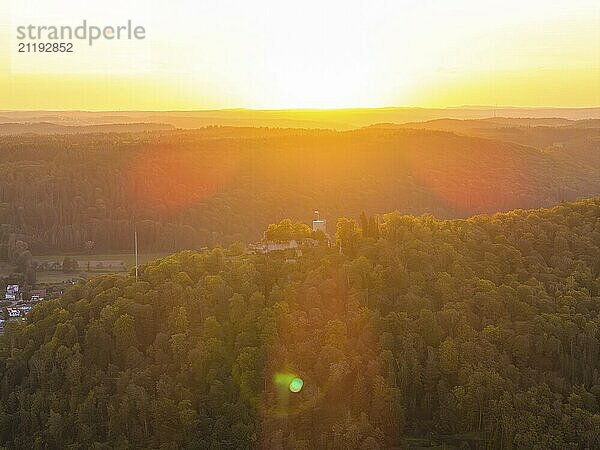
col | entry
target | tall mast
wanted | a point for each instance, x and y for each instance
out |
(136, 254)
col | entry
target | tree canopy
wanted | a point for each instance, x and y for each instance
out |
(475, 333)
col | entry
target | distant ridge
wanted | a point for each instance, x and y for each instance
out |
(448, 124)
(340, 119)
(53, 128)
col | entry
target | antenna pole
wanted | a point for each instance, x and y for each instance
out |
(136, 254)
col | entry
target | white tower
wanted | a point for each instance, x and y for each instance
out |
(319, 224)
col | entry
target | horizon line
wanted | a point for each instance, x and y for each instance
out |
(358, 108)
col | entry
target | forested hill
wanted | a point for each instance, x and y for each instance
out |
(189, 189)
(579, 138)
(53, 128)
(477, 333)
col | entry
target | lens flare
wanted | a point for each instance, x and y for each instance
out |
(296, 385)
(176, 176)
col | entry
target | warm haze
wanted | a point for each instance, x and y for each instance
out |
(333, 224)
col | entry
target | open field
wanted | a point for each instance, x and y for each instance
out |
(127, 258)
(52, 277)
(57, 276)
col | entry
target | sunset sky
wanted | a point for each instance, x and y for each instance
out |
(208, 54)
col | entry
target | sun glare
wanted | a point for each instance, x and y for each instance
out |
(279, 55)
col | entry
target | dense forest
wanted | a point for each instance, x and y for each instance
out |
(470, 333)
(215, 186)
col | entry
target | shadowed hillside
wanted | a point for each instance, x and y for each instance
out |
(578, 139)
(187, 189)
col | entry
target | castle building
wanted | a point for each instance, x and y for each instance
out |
(319, 224)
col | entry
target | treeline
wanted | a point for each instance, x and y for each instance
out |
(190, 189)
(285, 230)
(477, 333)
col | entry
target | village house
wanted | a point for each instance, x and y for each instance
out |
(12, 292)
(37, 295)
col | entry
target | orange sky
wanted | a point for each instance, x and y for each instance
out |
(278, 54)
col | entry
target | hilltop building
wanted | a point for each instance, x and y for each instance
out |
(270, 244)
(319, 224)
